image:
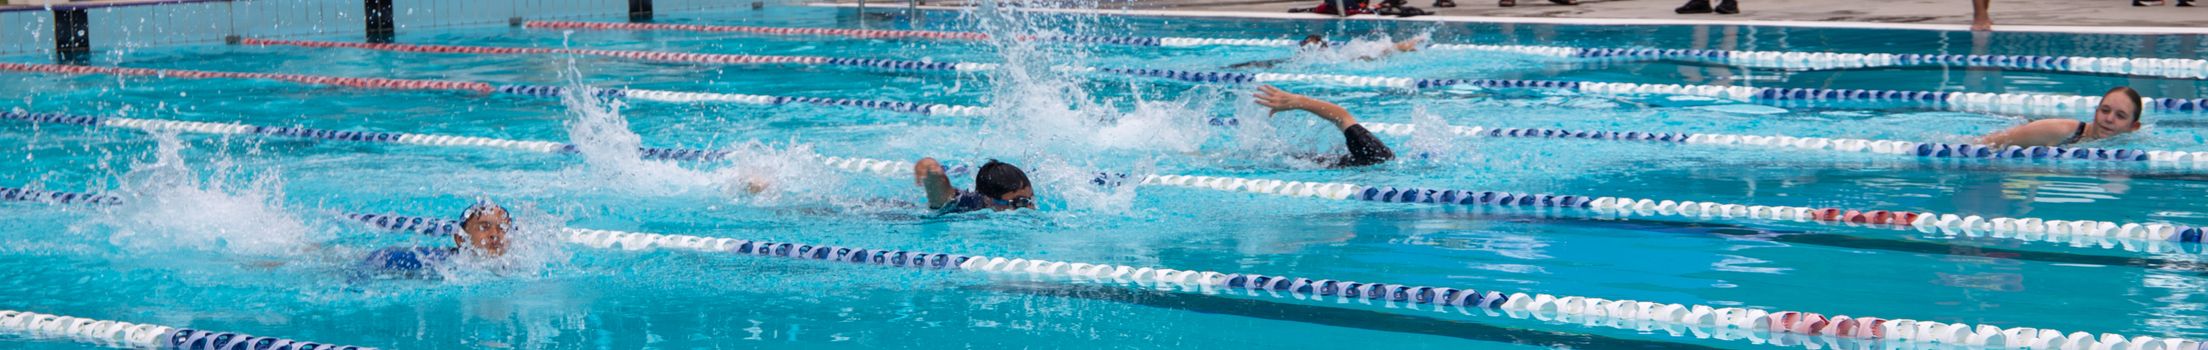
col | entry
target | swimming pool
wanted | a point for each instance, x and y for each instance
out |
(202, 217)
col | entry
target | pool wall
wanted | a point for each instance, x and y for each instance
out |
(28, 30)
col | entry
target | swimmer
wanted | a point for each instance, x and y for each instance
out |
(482, 232)
(997, 186)
(1314, 42)
(2118, 114)
(1364, 149)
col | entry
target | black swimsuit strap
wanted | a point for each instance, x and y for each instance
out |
(2075, 135)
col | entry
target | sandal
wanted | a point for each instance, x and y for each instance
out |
(1408, 11)
(1444, 4)
(1564, 2)
(1507, 3)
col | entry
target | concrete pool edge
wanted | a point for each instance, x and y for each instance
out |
(1598, 21)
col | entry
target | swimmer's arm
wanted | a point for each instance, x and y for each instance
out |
(1408, 45)
(2044, 132)
(928, 174)
(1279, 101)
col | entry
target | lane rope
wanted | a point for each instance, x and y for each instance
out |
(2156, 67)
(1938, 150)
(1783, 143)
(891, 64)
(2016, 103)
(1941, 150)
(2023, 229)
(664, 96)
(1733, 322)
(143, 336)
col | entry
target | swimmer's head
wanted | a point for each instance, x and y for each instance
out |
(2119, 112)
(483, 229)
(1313, 39)
(1005, 185)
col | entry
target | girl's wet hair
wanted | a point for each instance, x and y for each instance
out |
(998, 178)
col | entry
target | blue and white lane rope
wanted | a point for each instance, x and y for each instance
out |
(2026, 229)
(1977, 102)
(689, 154)
(524, 90)
(2155, 67)
(710, 97)
(1783, 143)
(1987, 102)
(144, 336)
(1726, 323)
(2161, 67)
(2018, 103)
(1624, 314)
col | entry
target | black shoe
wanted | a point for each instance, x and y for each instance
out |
(2184, 3)
(1728, 7)
(1444, 4)
(1694, 7)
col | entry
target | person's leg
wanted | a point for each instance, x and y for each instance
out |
(1694, 7)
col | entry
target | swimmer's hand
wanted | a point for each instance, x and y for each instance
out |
(928, 174)
(1279, 101)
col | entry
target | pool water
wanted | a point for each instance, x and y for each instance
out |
(236, 233)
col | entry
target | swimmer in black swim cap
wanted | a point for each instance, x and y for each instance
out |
(997, 186)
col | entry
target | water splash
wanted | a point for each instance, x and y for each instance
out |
(1361, 51)
(167, 204)
(753, 172)
(1432, 142)
(534, 248)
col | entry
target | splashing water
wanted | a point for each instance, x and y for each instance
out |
(1357, 51)
(167, 205)
(755, 172)
(1432, 141)
(533, 249)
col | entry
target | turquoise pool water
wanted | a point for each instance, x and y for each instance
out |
(200, 239)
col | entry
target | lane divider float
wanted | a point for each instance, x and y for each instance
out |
(1785, 143)
(523, 90)
(891, 64)
(2157, 67)
(2020, 103)
(143, 336)
(1731, 322)
(2024, 229)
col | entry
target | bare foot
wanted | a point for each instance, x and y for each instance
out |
(1981, 24)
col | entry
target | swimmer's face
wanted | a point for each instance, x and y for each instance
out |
(2117, 114)
(486, 232)
(1021, 199)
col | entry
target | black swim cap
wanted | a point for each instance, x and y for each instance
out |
(997, 178)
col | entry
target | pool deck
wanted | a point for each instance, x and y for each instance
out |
(2106, 16)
